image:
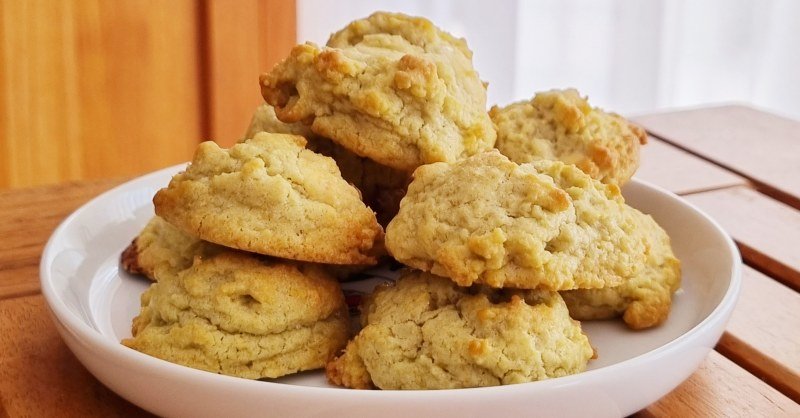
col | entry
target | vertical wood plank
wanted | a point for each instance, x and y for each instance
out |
(36, 84)
(93, 89)
(244, 39)
(232, 67)
(278, 22)
(146, 75)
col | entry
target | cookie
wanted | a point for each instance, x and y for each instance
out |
(270, 195)
(391, 87)
(427, 333)
(264, 120)
(539, 225)
(645, 299)
(561, 125)
(241, 316)
(381, 187)
(416, 31)
(163, 246)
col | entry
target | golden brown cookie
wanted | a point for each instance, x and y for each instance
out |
(264, 120)
(391, 87)
(488, 220)
(427, 333)
(416, 31)
(643, 300)
(163, 246)
(237, 315)
(350, 165)
(270, 195)
(561, 125)
(381, 187)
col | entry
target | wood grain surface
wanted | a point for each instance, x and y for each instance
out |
(763, 334)
(759, 145)
(767, 231)
(94, 89)
(681, 172)
(62, 388)
(720, 388)
(243, 40)
(29, 218)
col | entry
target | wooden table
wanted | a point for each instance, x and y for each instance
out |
(740, 165)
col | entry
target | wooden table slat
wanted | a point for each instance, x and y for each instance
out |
(759, 145)
(29, 217)
(681, 172)
(763, 334)
(39, 376)
(768, 231)
(720, 388)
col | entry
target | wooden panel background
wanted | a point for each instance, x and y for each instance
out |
(243, 42)
(92, 89)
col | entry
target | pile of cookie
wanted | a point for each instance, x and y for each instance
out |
(510, 223)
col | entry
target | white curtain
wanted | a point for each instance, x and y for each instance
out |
(627, 55)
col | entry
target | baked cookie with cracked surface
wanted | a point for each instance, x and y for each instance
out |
(643, 300)
(561, 125)
(270, 195)
(425, 332)
(392, 88)
(238, 315)
(264, 120)
(539, 225)
(163, 246)
(381, 187)
(413, 30)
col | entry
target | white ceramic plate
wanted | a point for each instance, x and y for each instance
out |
(93, 302)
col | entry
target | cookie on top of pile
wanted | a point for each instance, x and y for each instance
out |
(510, 223)
(392, 88)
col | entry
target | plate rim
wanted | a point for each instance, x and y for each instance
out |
(74, 324)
